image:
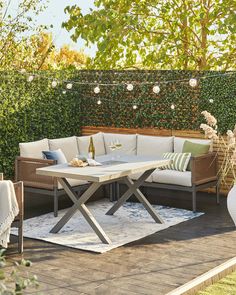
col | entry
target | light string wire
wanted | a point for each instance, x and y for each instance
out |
(62, 81)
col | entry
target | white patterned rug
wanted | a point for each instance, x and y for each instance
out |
(130, 223)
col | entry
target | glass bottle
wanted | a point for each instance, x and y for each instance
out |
(91, 149)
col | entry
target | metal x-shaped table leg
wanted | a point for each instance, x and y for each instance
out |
(79, 205)
(133, 188)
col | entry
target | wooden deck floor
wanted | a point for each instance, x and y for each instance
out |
(154, 265)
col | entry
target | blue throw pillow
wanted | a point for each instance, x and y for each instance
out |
(57, 155)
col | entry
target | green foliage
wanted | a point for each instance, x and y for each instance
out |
(175, 34)
(15, 282)
(32, 111)
(154, 110)
(226, 286)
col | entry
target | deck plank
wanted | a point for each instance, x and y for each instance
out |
(153, 265)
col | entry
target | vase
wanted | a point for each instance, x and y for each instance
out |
(231, 203)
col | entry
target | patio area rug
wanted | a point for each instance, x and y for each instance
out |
(130, 223)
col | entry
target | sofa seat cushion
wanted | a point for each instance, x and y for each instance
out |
(34, 149)
(83, 144)
(154, 145)
(179, 142)
(68, 145)
(128, 141)
(172, 177)
(137, 175)
(72, 182)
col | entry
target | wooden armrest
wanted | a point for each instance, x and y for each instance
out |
(204, 168)
(25, 170)
(19, 190)
(44, 161)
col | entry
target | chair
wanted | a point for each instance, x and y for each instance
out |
(18, 222)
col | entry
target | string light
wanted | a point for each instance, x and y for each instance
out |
(211, 100)
(130, 87)
(135, 107)
(69, 86)
(30, 78)
(64, 91)
(54, 84)
(172, 106)
(193, 82)
(96, 90)
(156, 89)
(99, 102)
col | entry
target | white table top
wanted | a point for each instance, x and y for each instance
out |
(123, 166)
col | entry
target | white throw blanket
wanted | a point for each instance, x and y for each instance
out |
(8, 210)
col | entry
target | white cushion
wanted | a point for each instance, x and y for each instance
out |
(68, 145)
(154, 145)
(128, 141)
(179, 142)
(172, 177)
(72, 182)
(83, 144)
(34, 149)
(137, 175)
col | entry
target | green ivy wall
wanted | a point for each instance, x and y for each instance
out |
(34, 110)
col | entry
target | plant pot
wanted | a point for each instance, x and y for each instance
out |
(231, 203)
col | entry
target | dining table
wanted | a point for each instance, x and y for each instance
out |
(111, 170)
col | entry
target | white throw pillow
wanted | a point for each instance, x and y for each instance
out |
(68, 145)
(34, 149)
(154, 145)
(179, 161)
(179, 142)
(83, 144)
(128, 141)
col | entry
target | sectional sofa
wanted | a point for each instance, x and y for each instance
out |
(202, 173)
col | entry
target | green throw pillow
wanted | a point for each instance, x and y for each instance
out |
(196, 149)
(179, 161)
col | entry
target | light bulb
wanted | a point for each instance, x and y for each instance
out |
(193, 82)
(172, 106)
(130, 87)
(99, 102)
(69, 86)
(96, 89)
(54, 84)
(135, 107)
(64, 91)
(211, 100)
(156, 89)
(30, 78)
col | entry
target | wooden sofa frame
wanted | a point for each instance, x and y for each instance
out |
(18, 222)
(204, 175)
(25, 170)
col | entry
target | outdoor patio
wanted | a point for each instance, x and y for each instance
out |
(156, 264)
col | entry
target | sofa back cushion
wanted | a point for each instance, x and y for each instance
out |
(179, 142)
(154, 145)
(128, 141)
(68, 145)
(34, 149)
(98, 141)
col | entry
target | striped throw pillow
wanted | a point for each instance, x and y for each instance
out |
(179, 161)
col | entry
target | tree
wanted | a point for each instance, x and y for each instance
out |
(174, 34)
(15, 25)
(24, 45)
